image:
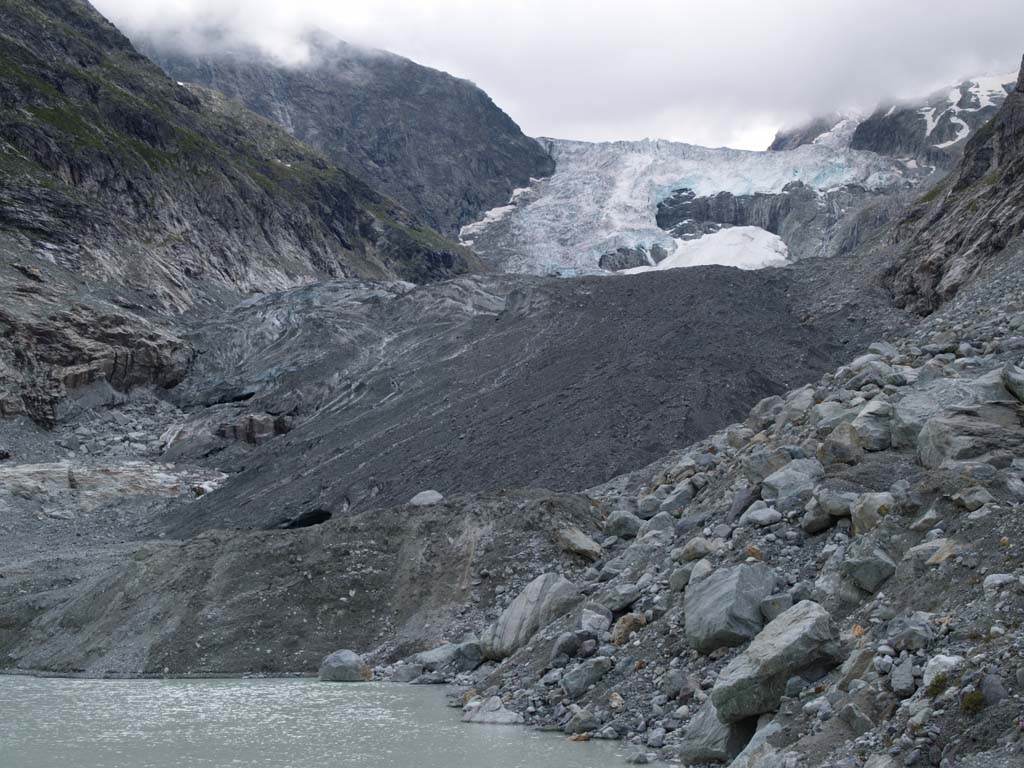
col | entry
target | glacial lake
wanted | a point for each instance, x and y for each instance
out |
(264, 723)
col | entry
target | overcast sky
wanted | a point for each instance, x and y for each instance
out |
(714, 72)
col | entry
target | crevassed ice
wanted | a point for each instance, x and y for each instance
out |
(604, 196)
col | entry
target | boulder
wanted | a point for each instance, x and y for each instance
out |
(940, 664)
(974, 433)
(868, 565)
(623, 524)
(842, 446)
(581, 722)
(426, 499)
(760, 516)
(901, 678)
(491, 711)
(695, 549)
(873, 425)
(1013, 380)
(576, 682)
(912, 632)
(574, 540)
(626, 625)
(869, 509)
(917, 406)
(710, 739)
(344, 667)
(801, 641)
(545, 598)
(792, 485)
(724, 609)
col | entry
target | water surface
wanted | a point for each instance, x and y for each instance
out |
(275, 723)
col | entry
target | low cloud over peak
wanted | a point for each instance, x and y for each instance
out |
(725, 73)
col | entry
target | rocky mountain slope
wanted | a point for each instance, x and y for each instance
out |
(108, 166)
(929, 131)
(965, 225)
(435, 143)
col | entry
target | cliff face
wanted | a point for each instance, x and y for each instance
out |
(109, 167)
(963, 224)
(435, 143)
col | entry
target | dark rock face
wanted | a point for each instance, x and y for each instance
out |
(791, 138)
(969, 218)
(926, 131)
(435, 143)
(627, 258)
(810, 224)
(111, 168)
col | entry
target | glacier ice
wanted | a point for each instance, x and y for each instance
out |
(741, 247)
(604, 196)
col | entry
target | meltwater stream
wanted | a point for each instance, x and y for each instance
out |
(274, 723)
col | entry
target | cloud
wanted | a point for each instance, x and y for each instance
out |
(719, 73)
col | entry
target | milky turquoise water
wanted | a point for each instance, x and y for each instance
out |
(275, 723)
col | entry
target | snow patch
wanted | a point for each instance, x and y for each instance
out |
(740, 247)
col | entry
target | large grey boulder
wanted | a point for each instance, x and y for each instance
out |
(490, 711)
(544, 599)
(973, 433)
(921, 403)
(802, 641)
(725, 608)
(576, 682)
(573, 540)
(710, 739)
(344, 667)
(459, 657)
(623, 524)
(792, 485)
(874, 425)
(868, 565)
(1013, 380)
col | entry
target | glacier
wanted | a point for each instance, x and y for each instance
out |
(740, 247)
(604, 196)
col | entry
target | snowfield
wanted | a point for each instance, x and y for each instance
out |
(740, 247)
(605, 196)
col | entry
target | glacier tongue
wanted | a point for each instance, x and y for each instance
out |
(604, 196)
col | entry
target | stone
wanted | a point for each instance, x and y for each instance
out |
(662, 522)
(760, 517)
(595, 617)
(581, 722)
(869, 509)
(725, 608)
(918, 405)
(792, 485)
(406, 673)
(993, 690)
(344, 667)
(710, 739)
(490, 711)
(857, 721)
(901, 678)
(625, 626)
(765, 412)
(913, 632)
(940, 664)
(695, 549)
(1013, 380)
(426, 499)
(578, 543)
(842, 446)
(868, 565)
(623, 524)
(816, 519)
(994, 583)
(576, 682)
(873, 426)
(619, 597)
(974, 433)
(679, 578)
(775, 605)
(545, 598)
(801, 641)
(973, 498)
